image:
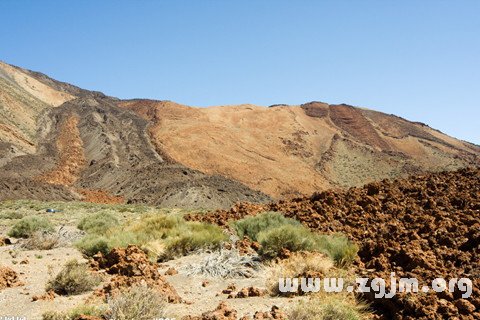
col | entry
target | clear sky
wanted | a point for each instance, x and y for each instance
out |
(416, 59)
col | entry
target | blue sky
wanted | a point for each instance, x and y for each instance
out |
(416, 59)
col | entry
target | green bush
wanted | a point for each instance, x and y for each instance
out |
(73, 279)
(194, 237)
(252, 226)
(11, 215)
(293, 238)
(98, 223)
(92, 244)
(339, 248)
(27, 226)
(299, 238)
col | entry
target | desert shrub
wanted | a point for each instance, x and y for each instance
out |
(293, 238)
(225, 264)
(159, 235)
(42, 241)
(25, 227)
(194, 237)
(160, 226)
(299, 238)
(331, 307)
(74, 314)
(140, 303)
(339, 248)
(252, 226)
(98, 223)
(299, 265)
(85, 310)
(93, 244)
(73, 279)
(11, 215)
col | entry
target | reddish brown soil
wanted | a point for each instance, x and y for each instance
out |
(352, 121)
(8, 278)
(70, 152)
(130, 267)
(423, 227)
(100, 196)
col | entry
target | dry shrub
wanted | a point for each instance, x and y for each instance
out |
(328, 307)
(42, 241)
(84, 310)
(299, 265)
(74, 278)
(225, 264)
(137, 302)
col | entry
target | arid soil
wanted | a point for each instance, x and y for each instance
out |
(424, 227)
(296, 150)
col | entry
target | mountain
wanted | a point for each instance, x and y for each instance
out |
(290, 150)
(58, 141)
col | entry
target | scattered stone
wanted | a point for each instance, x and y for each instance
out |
(171, 271)
(222, 312)
(47, 296)
(8, 278)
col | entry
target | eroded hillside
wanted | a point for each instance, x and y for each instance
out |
(288, 150)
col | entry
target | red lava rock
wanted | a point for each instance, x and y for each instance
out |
(222, 312)
(464, 306)
(8, 278)
(230, 288)
(130, 267)
(47, 296)
(274, 313)
(423, 227)
(248, 292)
(171, 271)
(247, 246)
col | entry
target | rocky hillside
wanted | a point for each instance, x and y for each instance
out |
(291, 150)
(58, 141)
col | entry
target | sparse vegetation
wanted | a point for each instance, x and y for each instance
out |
(11, 215)
(195, 236)
(98, 223)
(171, 234)
(73, 279)
(85, 310)
(140, 303)
(41, 241)
(27, 226)
(328, 307)
(299, 238)
(298, 265)
(252, 226)
(225, 264)
(93, 244)
(293, 238)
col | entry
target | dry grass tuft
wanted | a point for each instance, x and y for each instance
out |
(299, 265)
(138, 302)
(74, 278)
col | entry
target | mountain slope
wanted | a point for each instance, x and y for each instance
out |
(58, 141)
(89, 148)
(288, 150)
